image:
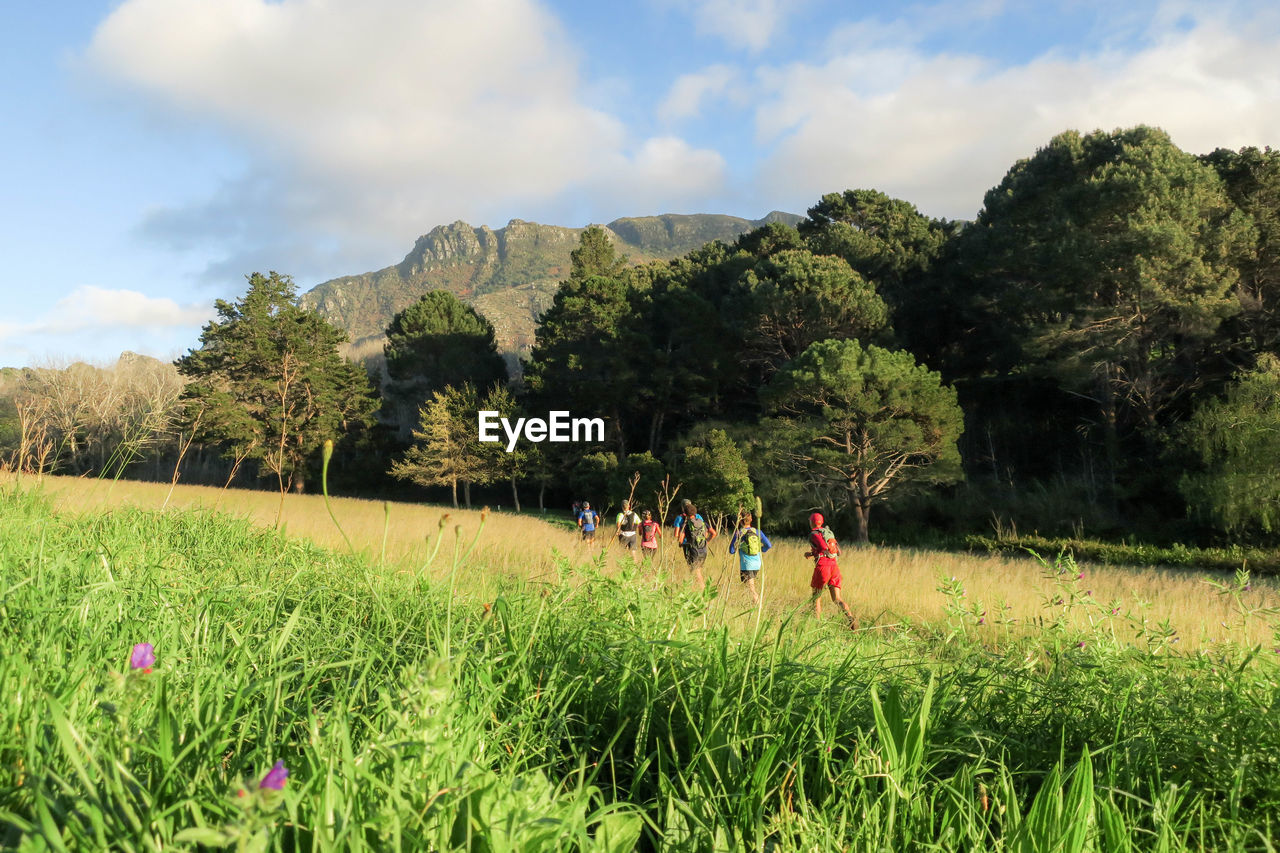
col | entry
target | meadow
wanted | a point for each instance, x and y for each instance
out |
(488, 683)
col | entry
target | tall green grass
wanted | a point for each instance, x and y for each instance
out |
(467, 709)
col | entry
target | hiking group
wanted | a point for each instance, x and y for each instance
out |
(638, 533)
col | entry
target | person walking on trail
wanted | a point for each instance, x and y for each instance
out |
(750, 543)
(650, 533)
(587, 521)
(693, 534)
(629, 528)
(826, 571)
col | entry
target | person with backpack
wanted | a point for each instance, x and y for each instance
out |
(824, 550)
(650, 533)
(587, 521)
(693, 534)
(628, 527)
(750, 543)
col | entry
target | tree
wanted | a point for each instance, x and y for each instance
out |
(714, 475)
(595, 255)
(521, 460)
(1237, 441)
(864, 422)
(584, 359)
(447, 449)
(439, 341)
(269, 383)
(885, 239)
(794, 298)
(1111, 256)
(1252, 179)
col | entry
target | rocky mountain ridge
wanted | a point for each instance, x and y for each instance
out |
(509, 274)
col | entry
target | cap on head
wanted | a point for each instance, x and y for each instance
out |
(586, 504)
(816, 520)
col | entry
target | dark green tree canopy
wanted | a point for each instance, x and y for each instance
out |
(1110, 256)
(439, 341)
(794, 298)
(1236, 440)
(268, 383)
(883, 238)
(595, 255)
(859, 422)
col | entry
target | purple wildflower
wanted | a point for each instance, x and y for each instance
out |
(275, 777)
(1080, 645)
(1088, 592)
(143, 657)
(1080, 576)
(982, 620)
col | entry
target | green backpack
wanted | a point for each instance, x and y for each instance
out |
(750, 542)
(695, 533)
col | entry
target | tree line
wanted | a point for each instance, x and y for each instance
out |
(1097, 349)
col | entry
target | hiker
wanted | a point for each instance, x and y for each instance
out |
(693, 534)
(650, 533)
(628, 527)
(750, 543)
(826, 571)
(587, 521)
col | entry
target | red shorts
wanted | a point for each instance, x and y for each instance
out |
(826, 572)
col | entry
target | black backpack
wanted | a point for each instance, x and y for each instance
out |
(630, 521)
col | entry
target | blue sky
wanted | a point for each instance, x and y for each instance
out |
(157, 151)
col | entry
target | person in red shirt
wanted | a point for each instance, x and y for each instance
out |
(826, 570)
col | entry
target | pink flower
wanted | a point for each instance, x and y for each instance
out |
(143, 657)
(1080, 645)
(275, 777)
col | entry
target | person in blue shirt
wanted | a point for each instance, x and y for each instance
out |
(749, 542)
(692, 535)
(587, 521)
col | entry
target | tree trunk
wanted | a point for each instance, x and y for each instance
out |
(466, 492)
(862, 507)
(542, 493)
(515, 493)
(453, 483)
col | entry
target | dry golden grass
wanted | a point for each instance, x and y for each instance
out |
(885, 586)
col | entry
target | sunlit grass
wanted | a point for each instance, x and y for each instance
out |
(887, 587)
(479, 704)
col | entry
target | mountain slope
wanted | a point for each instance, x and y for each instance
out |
(509, 275)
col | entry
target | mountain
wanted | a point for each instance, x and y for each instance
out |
(509, 275)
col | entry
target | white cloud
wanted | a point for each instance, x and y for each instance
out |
(97, 320)
(940, 130)
(749, 24)
(687, 94)
(380, 118)
(89, 307)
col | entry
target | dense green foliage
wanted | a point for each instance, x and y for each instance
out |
(587, 713)
(267, 382)
(860, 423)
(1237, 440)
(439, 341)
(1091, 324)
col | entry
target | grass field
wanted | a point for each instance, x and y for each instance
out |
(522, 693)
(886, 586)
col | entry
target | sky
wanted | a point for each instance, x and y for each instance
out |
(156, 152)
